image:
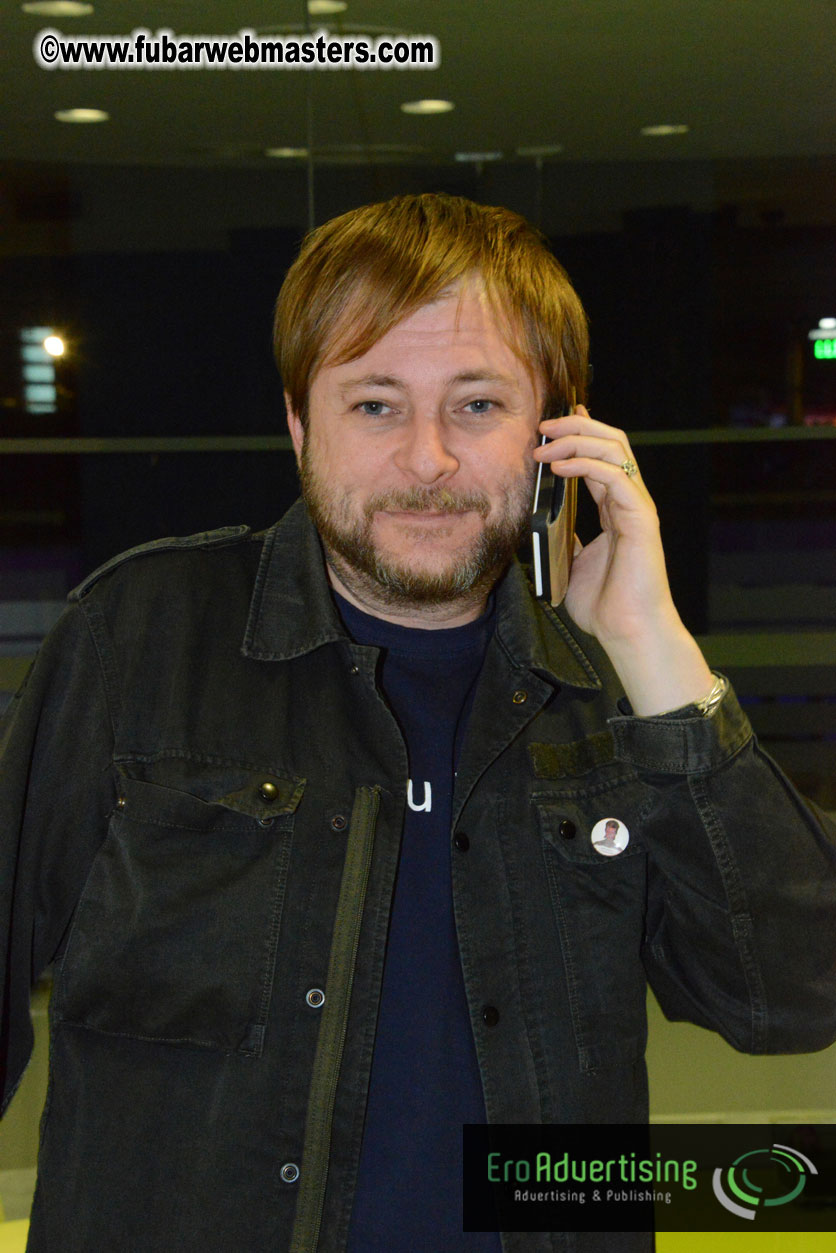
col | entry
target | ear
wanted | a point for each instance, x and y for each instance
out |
(294, 425)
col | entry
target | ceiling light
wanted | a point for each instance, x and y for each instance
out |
(827, 324)
(427, 106)
(324, 8)
(82, 115)
(540, 150)
(285, 152)
(58, 8)
(478, 156)
(666, 128)
(54, 345)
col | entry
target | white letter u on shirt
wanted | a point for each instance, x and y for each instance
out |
(427, 804)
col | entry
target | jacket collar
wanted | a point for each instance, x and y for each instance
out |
(292, 611)
(539, 637)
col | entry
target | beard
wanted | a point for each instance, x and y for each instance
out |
(469, 573)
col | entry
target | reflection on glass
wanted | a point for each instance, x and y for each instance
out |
(39, 394)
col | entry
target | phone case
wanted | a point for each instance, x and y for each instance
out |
(553, 536)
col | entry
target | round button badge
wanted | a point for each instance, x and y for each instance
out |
(610, 837)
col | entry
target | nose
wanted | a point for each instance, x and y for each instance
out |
(424, 452)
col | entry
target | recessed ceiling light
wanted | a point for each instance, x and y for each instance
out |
(540, 150)
(285, 152)
(827, 324)
(58, 8)
(82, 115)
(666, 128)
(427, 106)
(478, 156)
(323, 8)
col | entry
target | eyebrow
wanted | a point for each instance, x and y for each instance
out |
(390, 380)
(372, 380)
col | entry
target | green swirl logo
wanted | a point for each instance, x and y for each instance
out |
(763, 1177)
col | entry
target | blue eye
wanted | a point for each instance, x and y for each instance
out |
(479, 406)
(373, 408)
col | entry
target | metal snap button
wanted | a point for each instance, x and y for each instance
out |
(490, 1015)
(519, 697)
(289, 1172)
(268, 792)
(461, 841)
(339, 822)
(120, 802)
(315, 998)
(567, 829)
(354, 670)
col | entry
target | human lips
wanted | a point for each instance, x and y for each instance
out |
(428, 523)
(427, 515)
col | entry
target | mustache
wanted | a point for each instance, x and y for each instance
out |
(428, 500)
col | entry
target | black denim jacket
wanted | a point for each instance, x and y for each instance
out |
(201, 804)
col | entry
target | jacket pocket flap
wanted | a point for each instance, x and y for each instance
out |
(190, 792)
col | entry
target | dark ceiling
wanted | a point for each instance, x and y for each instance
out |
(750, 78)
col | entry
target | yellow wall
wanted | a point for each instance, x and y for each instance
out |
(695, 1074)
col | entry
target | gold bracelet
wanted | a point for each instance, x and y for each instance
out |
(710, 702)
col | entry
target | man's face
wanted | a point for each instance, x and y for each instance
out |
(610, 833)
(416, 460)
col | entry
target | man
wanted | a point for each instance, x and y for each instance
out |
(303, 818)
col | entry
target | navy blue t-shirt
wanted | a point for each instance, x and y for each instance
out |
(425, 1079)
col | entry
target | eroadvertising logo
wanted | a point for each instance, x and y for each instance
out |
(750, 1189)
(672, 1177)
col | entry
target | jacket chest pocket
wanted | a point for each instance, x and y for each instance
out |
(174, 937)
(597, 879)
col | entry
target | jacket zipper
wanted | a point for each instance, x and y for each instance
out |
(313, 1174)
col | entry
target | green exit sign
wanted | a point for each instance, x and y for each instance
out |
(825, 349)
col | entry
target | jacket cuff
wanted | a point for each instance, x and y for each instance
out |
(682, 741)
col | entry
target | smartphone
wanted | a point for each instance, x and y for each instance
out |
(553, 533)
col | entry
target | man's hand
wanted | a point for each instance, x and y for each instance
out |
(618, 589)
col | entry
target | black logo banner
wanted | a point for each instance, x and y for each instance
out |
(663, 1177)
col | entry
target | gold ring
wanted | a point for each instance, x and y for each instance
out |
(630, 468)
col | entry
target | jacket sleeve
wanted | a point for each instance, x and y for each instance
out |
(56, 791)
(741, 933)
